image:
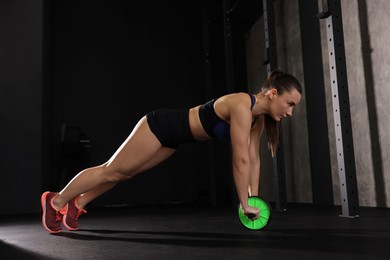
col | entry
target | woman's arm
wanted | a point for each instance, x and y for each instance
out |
(240, 127)
(254, 156)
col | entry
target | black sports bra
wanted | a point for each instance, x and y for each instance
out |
(213, 125)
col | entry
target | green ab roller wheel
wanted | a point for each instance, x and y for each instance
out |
(264, 215)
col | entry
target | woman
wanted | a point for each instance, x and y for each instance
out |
(238, 118)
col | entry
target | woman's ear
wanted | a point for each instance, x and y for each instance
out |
(272, 93)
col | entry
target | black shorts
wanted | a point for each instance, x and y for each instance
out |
(170, 126)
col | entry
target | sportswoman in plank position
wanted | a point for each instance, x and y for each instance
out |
(238, 118)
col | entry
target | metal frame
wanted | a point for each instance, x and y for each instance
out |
(331, 12)
(271, 64)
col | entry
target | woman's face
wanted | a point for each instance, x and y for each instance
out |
(282, 105)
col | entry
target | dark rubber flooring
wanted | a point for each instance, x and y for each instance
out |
(193, 231)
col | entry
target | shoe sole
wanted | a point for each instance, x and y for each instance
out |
(68, 227)
(43, 203)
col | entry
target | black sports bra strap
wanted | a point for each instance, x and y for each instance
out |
(253, 99)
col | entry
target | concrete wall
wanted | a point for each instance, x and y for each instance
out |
(366, 41)
(366, 50)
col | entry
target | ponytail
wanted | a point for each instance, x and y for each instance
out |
(272, 128)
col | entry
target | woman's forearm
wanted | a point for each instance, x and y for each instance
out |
(241, 175)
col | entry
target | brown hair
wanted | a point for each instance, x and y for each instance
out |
(281, 82)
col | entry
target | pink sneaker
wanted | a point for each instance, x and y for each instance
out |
(51, 218)
(71, 215)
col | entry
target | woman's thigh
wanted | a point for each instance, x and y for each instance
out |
(161, 155)
(138, 151)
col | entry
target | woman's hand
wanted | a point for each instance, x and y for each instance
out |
(251, 212)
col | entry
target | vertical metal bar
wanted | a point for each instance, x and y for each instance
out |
(207, 72)
(341, 108)
(227, 29)
(271, 64)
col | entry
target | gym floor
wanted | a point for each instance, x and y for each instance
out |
(193, 231)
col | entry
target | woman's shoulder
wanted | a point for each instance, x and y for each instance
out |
(236, 97)
(237, 94)
(233, 103)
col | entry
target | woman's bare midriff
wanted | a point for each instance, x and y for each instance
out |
(195, 125)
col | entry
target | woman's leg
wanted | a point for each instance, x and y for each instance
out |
(162, 154)
(140, 151)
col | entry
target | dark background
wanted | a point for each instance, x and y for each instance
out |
(101, 66)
